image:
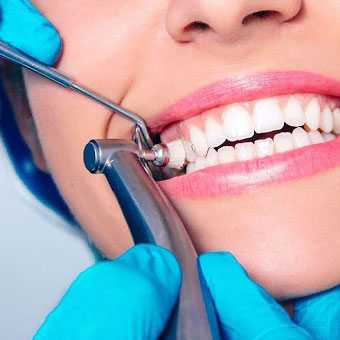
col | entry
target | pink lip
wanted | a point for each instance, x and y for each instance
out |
(240, 177)
(239, 89)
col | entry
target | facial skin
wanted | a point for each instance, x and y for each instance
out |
(145, 55)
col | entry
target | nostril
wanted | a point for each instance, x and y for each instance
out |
(260, 15)
(197, 26)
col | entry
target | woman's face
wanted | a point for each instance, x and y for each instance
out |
(146, 56)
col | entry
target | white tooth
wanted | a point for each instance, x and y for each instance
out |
(293, 112)
(237, 123)
(326, 120)
(200, 163)
(245, 151)
(226, 154)
(199, 141)
(212, 158)
(267, 115)
(264, 147)
(191, 167)
(190, 155)
(328, 136)
(315, 137)
(313, 114)
(214, 133)
(176, 154)
(336, 121)
(300, 137)
(283, 142)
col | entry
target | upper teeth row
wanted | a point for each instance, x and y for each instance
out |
(237, 122)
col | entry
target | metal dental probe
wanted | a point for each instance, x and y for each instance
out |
(148, 212)
(19, 58)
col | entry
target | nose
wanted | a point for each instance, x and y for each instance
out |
(227, 20)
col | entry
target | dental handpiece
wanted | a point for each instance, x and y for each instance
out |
(149, 214)
(152, 219)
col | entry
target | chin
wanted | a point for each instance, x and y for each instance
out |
(286, 236)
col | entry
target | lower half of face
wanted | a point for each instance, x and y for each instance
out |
(261, 176)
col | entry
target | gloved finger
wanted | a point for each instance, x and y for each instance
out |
(319, 314)
(245, 310)
(128, 298)
(23, 27)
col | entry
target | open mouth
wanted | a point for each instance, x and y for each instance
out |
(244, 132)
(251, 130)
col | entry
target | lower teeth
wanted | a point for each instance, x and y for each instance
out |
(258, 148)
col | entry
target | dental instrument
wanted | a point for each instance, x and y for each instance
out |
(151, 218)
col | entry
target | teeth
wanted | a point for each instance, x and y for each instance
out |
(199, 141)
(200, 163)
(190, 155)
(326, 120)
(212, 157)
(313, 114)
(226, 154)
(245, 151)
(214, 133)
(328, 136)
(315, 137)
(176, 154)
(237, 123)
(300, 137)
(191, 167)
(294, 114)
(283, 142)
(314, 120)
(336, 121)
(267, 115)
(264, 147)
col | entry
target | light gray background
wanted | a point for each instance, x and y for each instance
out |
(40, 255)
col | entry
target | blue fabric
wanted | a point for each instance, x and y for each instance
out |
(131, 298)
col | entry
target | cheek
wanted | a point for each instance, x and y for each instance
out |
(65, 123)
(287, 236)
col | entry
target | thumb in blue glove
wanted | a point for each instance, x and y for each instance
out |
(130, 298)
(23, 27)
(245, 310)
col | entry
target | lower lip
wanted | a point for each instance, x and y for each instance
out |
(239, 177)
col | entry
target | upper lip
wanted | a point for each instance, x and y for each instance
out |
(244, 88)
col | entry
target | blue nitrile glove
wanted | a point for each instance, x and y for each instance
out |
(23, 27)
(319, 314)
(129, 298)
(247, 312)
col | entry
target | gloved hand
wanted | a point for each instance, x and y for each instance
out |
(23, 27)
(247, 312)
(129, 298)
(134, 296)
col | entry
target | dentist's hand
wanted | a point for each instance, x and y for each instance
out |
(129, 298)
(247, 312)
(23, 27)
